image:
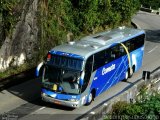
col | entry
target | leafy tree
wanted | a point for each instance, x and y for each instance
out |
(57, 18)
(155, 4)
(9, 13)
(125, 7)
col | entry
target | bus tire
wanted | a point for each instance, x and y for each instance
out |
(131, 73)
(89, 99)
(126, 75)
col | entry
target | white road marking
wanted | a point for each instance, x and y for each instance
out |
(41, 108)
(105, 104)
(153, 49)
(84, 118)
(38, 110)
(92, 112)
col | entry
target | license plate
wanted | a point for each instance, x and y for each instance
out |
(56, 102)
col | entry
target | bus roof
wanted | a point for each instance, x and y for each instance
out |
(97, 42)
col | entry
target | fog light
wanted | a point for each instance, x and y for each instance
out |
(43, 94)
(74, 105)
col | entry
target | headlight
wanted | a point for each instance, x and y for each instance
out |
(44, 94)
(73, 100)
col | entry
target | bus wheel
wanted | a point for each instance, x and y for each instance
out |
(126, 75)
(131, 73)
(89, 99)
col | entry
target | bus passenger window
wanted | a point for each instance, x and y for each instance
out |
(115, 52)
(113, 55)
(140, 41)
(121, 51)
(99, 60)
(107, 55)
(127, 44)
(131, 47)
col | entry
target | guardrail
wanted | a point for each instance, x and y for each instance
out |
(149, 79)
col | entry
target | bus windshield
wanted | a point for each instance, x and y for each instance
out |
(66, 80)
(66, 62)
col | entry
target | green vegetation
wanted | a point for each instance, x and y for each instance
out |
(10, 11)
(147, 106)
(154, 4)
(80, 17)
(58, 18)
(15, 70)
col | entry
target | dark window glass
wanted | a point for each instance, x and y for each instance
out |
(108, 55)
(99, 60)
(88, 66)
(88, 71)
(117, 51)
(139, 41)
(66, 62)
(135, 43)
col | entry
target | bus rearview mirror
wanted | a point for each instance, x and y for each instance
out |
(38, 69)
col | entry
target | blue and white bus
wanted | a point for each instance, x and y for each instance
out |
(76, 72)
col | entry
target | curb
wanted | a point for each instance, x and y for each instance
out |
(135, 25)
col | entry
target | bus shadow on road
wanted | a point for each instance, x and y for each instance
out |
(153, 36)
(30, 92)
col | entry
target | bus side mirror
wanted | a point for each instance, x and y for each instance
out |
(38, 69)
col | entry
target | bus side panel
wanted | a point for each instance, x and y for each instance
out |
(137, 58)
(109, 74)
(113, 72)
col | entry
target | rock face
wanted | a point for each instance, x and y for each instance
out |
(23, 44)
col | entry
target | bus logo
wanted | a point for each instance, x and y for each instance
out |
(106, 70)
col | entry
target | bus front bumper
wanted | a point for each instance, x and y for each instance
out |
(72, 104)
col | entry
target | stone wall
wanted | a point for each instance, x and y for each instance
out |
(22, 45)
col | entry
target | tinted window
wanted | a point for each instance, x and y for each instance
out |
(66, 62)
(108, 55)
(88, 71)
(99, 59)
(88, 66)
(135, 43)
(139, 41)
(114, 53)
(117, 51)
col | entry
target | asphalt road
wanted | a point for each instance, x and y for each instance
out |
(24, 100)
